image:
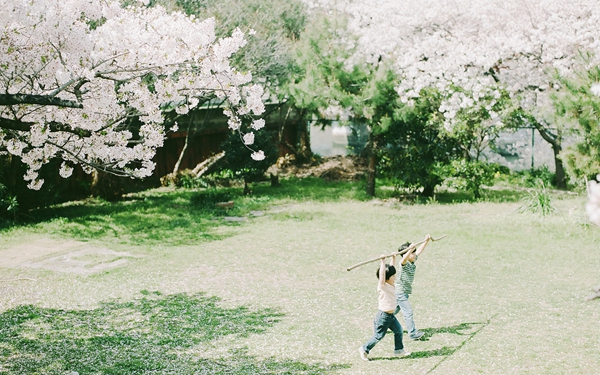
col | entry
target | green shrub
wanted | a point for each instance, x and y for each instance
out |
(9, 206)
(532, 177)
(190, 181)
(538, 201)
(470, 175)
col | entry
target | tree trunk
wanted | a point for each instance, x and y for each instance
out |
(246, 187)
(561, 180)
(556, 143)
(275, 180)
(185, 146)
(428, 190)
(304, 151)
(372, 167)
(107, 186)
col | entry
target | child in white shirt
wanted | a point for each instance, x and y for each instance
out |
(385, 318)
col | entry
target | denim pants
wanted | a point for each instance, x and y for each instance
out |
(382, 322)
(407, 311)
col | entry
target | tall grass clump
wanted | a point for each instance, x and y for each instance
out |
(538, 201)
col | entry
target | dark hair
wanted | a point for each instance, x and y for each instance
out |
(404, 246)
(389, 271)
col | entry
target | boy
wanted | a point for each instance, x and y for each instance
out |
(385, 316)
(404, 287)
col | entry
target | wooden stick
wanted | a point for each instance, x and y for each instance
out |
(399, 252)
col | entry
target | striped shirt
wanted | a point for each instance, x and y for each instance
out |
(406, 278)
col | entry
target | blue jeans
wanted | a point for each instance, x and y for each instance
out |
(382, 322)
(407, 311)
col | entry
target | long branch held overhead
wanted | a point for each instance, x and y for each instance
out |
(400, 252)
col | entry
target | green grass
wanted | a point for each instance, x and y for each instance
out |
(147, 335)
(502, 293)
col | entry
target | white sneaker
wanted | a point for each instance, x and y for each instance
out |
(417, 336)
(363, 354)
(401, 353)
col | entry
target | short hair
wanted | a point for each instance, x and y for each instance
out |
(389, 271)
(404, 246)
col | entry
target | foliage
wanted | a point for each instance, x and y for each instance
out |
(532, 177)
(538, 201)
(414, 144)
(474, 124)
(188, 180)
(9, 206)
(22, 199)
(237, 158)
(461, 47)
(579, 104)
(471, 175)
(108, 187)
(314, 87)
(73, 95)
(276, 25)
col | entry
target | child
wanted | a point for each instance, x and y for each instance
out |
(385, 316)
(404, 287)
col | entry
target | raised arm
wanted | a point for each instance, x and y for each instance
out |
(382, 272)
(422, 247)
(407, 254)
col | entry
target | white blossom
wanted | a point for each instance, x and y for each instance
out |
(65, 170)
(258, 124)
(49, 50)
(249, 138)
(258, 155)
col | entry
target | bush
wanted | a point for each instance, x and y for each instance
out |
(532, 177)
(9, 206)
(470, 175)
(189, 181)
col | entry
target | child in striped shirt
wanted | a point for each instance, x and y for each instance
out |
(385, 316)
(404, 287)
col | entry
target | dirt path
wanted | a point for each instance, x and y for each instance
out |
(62, 256)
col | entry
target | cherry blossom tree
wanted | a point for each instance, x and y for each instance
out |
(475, 46)
(74, 73)
(468, 49)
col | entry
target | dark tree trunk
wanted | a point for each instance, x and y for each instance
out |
(275, 180)
(555, 141)
(428, 190)
(107, 186)
(372, 167)
(561, 179)
(246, 187)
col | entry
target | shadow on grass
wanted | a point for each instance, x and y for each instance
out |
(444, 351)
(455, 330)
(153, 334)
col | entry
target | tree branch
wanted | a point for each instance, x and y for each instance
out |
(12, 99)
(6, 123)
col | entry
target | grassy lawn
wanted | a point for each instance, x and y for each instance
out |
(263, 289)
